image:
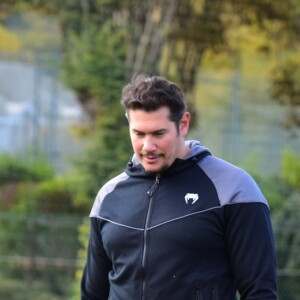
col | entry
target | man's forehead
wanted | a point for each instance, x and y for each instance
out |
(163, 111)
(142, 121)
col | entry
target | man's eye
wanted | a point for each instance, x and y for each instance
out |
(160, 133)
(139, 134)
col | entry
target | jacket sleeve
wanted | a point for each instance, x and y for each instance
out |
(250, 245)
(94, 282)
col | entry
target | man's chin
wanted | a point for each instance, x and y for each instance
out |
(155, 171)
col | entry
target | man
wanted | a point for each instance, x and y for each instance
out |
(179, 223)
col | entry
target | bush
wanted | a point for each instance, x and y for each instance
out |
(290, 166)
(16, 169)
(59, 195)
(275, 189)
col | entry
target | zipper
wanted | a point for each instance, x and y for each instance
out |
(149, 210)
(197, 293)
(154, 187)
(213, 294)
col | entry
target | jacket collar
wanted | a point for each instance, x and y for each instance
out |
(196, 153)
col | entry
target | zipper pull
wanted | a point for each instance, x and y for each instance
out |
(154, 186)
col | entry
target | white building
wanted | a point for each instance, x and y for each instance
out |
(37, 114)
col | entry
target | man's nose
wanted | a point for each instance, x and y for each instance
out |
(149, 144)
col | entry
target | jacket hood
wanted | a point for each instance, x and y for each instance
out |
(135, 169)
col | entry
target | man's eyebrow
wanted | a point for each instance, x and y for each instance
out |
(162, 130)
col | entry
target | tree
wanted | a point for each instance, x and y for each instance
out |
(106, 41)
(286, 89)
(168, 37)
(286, 227)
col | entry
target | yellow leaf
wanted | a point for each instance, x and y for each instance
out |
(9, 42)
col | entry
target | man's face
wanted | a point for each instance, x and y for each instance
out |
(156, 140)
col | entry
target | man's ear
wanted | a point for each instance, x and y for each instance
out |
(184, 124)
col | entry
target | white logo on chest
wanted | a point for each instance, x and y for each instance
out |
(191, 197)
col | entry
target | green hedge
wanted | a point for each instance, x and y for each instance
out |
(16, 169)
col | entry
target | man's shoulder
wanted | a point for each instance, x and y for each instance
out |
(233, 184)
(111, 184)
(107, 188)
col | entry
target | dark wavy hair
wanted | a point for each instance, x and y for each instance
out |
(150, 93)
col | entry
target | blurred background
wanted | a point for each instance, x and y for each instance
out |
(63, 132)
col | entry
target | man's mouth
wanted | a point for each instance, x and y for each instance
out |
(151, 158)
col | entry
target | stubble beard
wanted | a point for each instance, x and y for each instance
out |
(158, 171)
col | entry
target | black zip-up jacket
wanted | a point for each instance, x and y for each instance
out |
(200, 231)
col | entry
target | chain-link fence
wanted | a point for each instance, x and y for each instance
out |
(239, 121)
(41, 250)
(236, 125)
(37, 255)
